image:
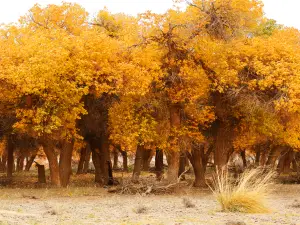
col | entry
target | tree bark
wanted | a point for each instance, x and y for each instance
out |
(284, 164)
(243, 155)
(96, 162)
(159, 164)
(53, 163)
(173, 154)
(30, 161)
(137, 163)
(4, 160)
(274, 154)
(87, 158)
(223, 145)
(20, 163)
(116, 159)
(257, 157)
(10, 156)
(199, 160)
(105, 159)
(182, 164)
(81, 160)
(65, 163)
(146, 159)
(125, 161)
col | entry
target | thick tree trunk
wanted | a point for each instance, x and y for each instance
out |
(10, 157)
(105, 159)
(81, 160)
(116, 159)
(65, 163)
(199, 160)
(30, 162)
(53, 163)
(223, 145)
(96, 162)
(284, 164)
(146, 159)
(87, 158)
(173, 154)
(137, 163)
(182, 165)
(173, 165)
(159, 164)
(274, 154)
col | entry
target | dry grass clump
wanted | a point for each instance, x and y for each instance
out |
(247, 194)
(140, 209)
(188, 203)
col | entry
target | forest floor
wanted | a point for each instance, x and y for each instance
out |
(84, 203)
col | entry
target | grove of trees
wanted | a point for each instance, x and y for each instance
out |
(194, 85)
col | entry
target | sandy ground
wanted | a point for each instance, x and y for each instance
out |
(37, 207)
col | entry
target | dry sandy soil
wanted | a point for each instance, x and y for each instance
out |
(93, 205)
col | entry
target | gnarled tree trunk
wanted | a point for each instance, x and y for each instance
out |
(223, 144)
(65, 162)
(173, 154)
(49, 150)
(137, 163)
(199, 160)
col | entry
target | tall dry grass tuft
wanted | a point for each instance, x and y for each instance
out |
(248, 194)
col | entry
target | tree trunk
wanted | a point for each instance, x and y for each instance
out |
(41, 173)
(223, 145)
(199, 160)
(4, 160)
(10, 157)
(116, 159)
(125, 161)
(81, 160)
(159, 164)
(284, 164)
(20, 163)
(30, 161)
(137, 163)
(96, 162)
(257, 157)
(173, 154)
(53, 163)
(65, 163)
(274, 154)
(243, 155)
(146, 159)
(105, 159)
(173, 165)
(182, 164)
(87, 158)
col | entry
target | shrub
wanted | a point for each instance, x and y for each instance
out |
(247, 194)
